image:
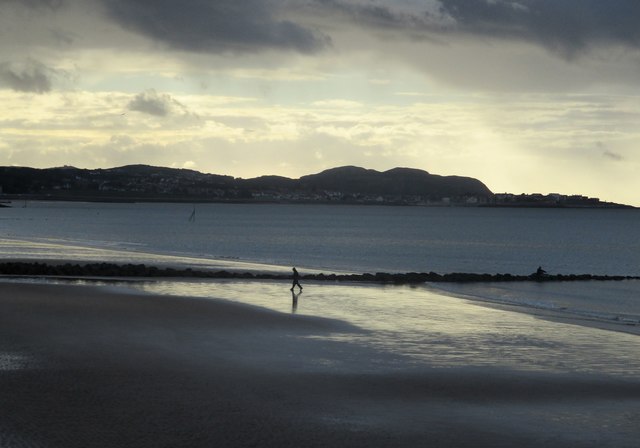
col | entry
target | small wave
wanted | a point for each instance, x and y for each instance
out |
(550, 304)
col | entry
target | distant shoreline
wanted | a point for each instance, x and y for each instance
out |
(602, 205)
(9, 199)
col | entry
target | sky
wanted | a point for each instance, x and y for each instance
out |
(529, 96)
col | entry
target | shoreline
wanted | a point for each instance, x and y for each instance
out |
(553, 315)
(61, 270)
(125, 198)
(87, 366)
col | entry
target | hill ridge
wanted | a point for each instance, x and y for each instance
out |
(347, 183)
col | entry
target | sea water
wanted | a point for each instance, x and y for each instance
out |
(331, 238)
(334, 238)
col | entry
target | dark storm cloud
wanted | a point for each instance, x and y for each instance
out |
(568, 27)
(31, 76)
(51, 4)
(214, 26)
(373, 15)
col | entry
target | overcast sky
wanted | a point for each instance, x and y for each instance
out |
(527, 95)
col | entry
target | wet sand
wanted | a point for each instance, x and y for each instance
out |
(84, 366)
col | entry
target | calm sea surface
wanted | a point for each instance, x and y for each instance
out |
(353, 239)
(338, 238)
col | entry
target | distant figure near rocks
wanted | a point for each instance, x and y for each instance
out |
(296, 280)
(540, 272)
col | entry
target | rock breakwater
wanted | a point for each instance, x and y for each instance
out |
(110, 270)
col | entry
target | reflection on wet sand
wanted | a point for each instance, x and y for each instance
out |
(294, 301)
(438, 330)
(87, 366)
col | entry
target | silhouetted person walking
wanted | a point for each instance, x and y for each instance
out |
(296, 280)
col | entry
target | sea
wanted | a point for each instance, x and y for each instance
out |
(329, 238)
(370, 239)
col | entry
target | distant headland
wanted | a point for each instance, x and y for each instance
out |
(343, 185)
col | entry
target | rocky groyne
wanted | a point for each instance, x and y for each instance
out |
(112, 270)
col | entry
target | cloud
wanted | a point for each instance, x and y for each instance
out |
(190, 165)
(612, 155)
(567, 27)
(405, 18)
(337, 103)
(154, 103)
(34, 4)
(607, 153)
(219, 26)
(29, 76)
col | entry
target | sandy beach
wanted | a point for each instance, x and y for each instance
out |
(87, 366)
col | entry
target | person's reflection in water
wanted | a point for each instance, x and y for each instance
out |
(294, 301)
